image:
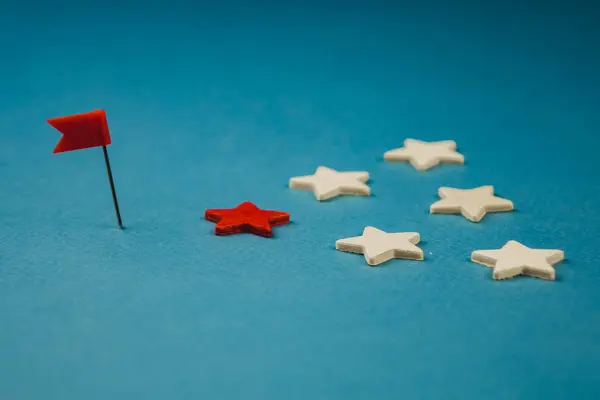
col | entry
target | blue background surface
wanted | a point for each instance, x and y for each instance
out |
(212, 105)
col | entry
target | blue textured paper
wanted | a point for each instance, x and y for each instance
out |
(210, 106)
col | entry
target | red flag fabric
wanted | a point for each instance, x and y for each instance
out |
(81, 131)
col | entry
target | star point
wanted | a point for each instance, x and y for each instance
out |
(425, 155)
(378, 246)
(515, 259)
(473, 204)
(327, 183)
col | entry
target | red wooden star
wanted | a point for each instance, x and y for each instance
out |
(245, 218)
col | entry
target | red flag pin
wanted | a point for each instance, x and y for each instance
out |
(82, 131)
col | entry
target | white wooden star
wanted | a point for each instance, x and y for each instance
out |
(472, 203)
(379, 246)
(326, 183)
(516, 259)
(425, 155)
